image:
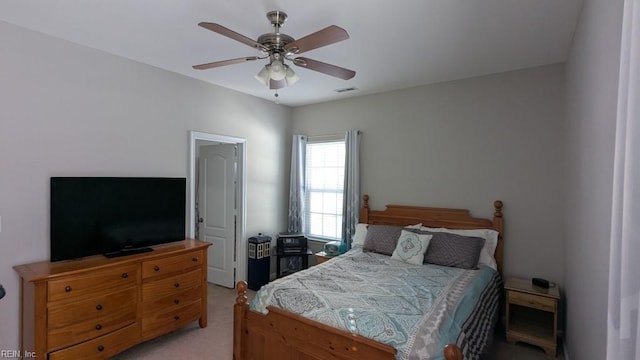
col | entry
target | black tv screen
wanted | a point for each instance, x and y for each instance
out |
(106, 215)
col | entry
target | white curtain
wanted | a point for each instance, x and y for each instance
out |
(296, 184)
(623, 331)
(351, 196)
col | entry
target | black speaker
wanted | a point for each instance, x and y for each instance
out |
(259, 261)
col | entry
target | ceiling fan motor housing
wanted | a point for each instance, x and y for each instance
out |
(275, 42)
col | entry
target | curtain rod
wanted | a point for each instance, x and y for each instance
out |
(328, 136)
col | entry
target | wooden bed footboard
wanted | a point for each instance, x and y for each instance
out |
(281, 335)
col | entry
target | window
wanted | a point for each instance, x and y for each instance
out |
(324, 177)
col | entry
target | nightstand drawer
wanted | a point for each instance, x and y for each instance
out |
(532, 301)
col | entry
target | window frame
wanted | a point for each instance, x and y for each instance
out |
(339, 191)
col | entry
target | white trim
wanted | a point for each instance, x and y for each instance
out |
(241, 245)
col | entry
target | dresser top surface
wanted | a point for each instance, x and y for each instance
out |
(45, 269)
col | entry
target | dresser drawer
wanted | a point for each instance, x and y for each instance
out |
(179, 298)
(168, 265)
(171, 285)
(92, 283)
(163, 322)
(532, 301)
(88, 329)
(92, 308)
(103, 347)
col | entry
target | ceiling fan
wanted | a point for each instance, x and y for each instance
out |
(278, 47)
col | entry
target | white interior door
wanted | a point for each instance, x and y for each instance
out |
(217, 210)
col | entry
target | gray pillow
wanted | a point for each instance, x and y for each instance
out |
(448, 249)
(382, 239)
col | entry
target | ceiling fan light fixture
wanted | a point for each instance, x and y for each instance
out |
(277, 70)
(263, 76)
(291, 77)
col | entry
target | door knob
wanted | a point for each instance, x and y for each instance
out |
(200, 220)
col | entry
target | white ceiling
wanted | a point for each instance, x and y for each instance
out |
(392, 45)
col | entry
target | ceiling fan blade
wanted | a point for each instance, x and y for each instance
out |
(224, 62)
(315, 65)
(277, 84)
(232, 35)
(327, 36)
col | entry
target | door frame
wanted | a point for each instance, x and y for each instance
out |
(241, 245)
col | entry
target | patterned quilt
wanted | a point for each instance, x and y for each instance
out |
(417, 309)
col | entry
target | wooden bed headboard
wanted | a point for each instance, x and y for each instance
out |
(402, 215)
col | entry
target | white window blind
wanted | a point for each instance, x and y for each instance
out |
(324, 176)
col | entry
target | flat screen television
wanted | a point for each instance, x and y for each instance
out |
(114, 216)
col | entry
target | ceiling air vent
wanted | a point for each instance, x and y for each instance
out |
(346, 89)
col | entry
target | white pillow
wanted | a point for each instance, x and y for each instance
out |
(490, 237)
(358, 238)
(411, 247)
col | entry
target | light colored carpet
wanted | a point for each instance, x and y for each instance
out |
(191, 342)
(215, 342)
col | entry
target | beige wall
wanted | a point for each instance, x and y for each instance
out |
(465, 144)
(68, 110)
(592, 87)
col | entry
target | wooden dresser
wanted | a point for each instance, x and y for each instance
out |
(97, 307)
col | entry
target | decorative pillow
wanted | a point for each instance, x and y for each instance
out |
(489, 235)
(382, 239)
(454, 250)
(411, 247)
(358, 238)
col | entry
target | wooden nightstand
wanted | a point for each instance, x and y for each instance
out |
(532, 314)
(322, 257)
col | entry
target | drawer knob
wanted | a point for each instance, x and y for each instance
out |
(98, 327)
(176, 317)
(156, 268)
(194, 259)
(125, 275)
(176, 285)
(176, 301)
(67, 288)
(98, 307)
(100, 348)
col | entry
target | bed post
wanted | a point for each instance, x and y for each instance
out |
(452, 352)
(498, 224)
(364, 212)
(239, 309)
